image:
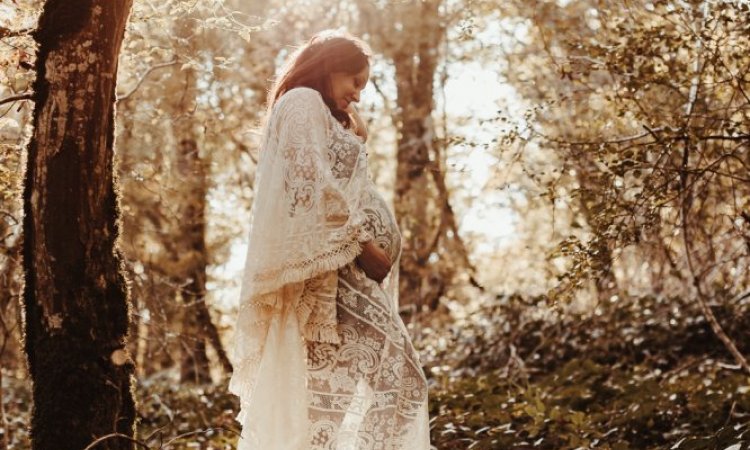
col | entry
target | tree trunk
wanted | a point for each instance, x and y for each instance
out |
(414, 200)
(76, 294)
(410, 34)
(194, 366)
(9, 327)
(194, 363)
(197, 326)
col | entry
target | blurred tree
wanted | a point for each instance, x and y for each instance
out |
(189, 236)
(410, 35)
(644, 110)
(10, 279)
(144, 160)
(15, 93)
(187, 96)
(75, 295)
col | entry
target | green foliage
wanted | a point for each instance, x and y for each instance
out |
(170, 415)
(637, 139)
(585, 404)
(637, 373)
(202, 416)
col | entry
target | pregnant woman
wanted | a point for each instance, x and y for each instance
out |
(322, 358)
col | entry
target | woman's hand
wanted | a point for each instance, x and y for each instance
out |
(374, 262)
(360, 129)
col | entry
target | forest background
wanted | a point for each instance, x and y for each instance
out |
(571, 178)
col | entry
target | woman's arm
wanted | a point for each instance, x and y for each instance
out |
(374, 262)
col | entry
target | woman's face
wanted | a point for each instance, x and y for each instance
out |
(345, 87)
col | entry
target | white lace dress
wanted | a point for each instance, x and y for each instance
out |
(363, 389)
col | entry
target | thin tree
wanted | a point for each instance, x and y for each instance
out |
(76, 309)
(410, 35)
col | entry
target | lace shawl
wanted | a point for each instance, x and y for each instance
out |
(306, 222)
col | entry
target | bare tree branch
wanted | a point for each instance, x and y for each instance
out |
(116, 435)
(125, 97)
(7, 32)
(15, 98)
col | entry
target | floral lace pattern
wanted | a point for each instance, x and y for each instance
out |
(368, 392)
(306, 217)
(380, 223)
(323, 360)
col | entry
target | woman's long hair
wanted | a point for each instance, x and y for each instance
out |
(311, 65)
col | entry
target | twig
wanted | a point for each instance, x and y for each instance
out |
(116, 435)
(707, 312)
(739, 137)
(10, 216)
(741, 297)
(191, 433)
(153, 433)
(125, 97)
(7, 32)
(15, 98)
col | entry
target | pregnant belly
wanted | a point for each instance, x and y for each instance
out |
(381, 224)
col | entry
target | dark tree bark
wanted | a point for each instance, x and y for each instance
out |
(76, 294)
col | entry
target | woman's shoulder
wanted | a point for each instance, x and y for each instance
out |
(301, 108)
(300, 96)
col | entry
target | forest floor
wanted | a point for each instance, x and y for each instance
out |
(638, 373)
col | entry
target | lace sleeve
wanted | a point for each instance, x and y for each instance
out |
(305, 220)
(311, 189)
(308, 220)
(309, 185)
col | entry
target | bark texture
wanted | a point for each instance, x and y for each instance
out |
(414, 200)
(412, 42)
(75, 296)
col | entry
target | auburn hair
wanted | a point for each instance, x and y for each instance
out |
(312, 64)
